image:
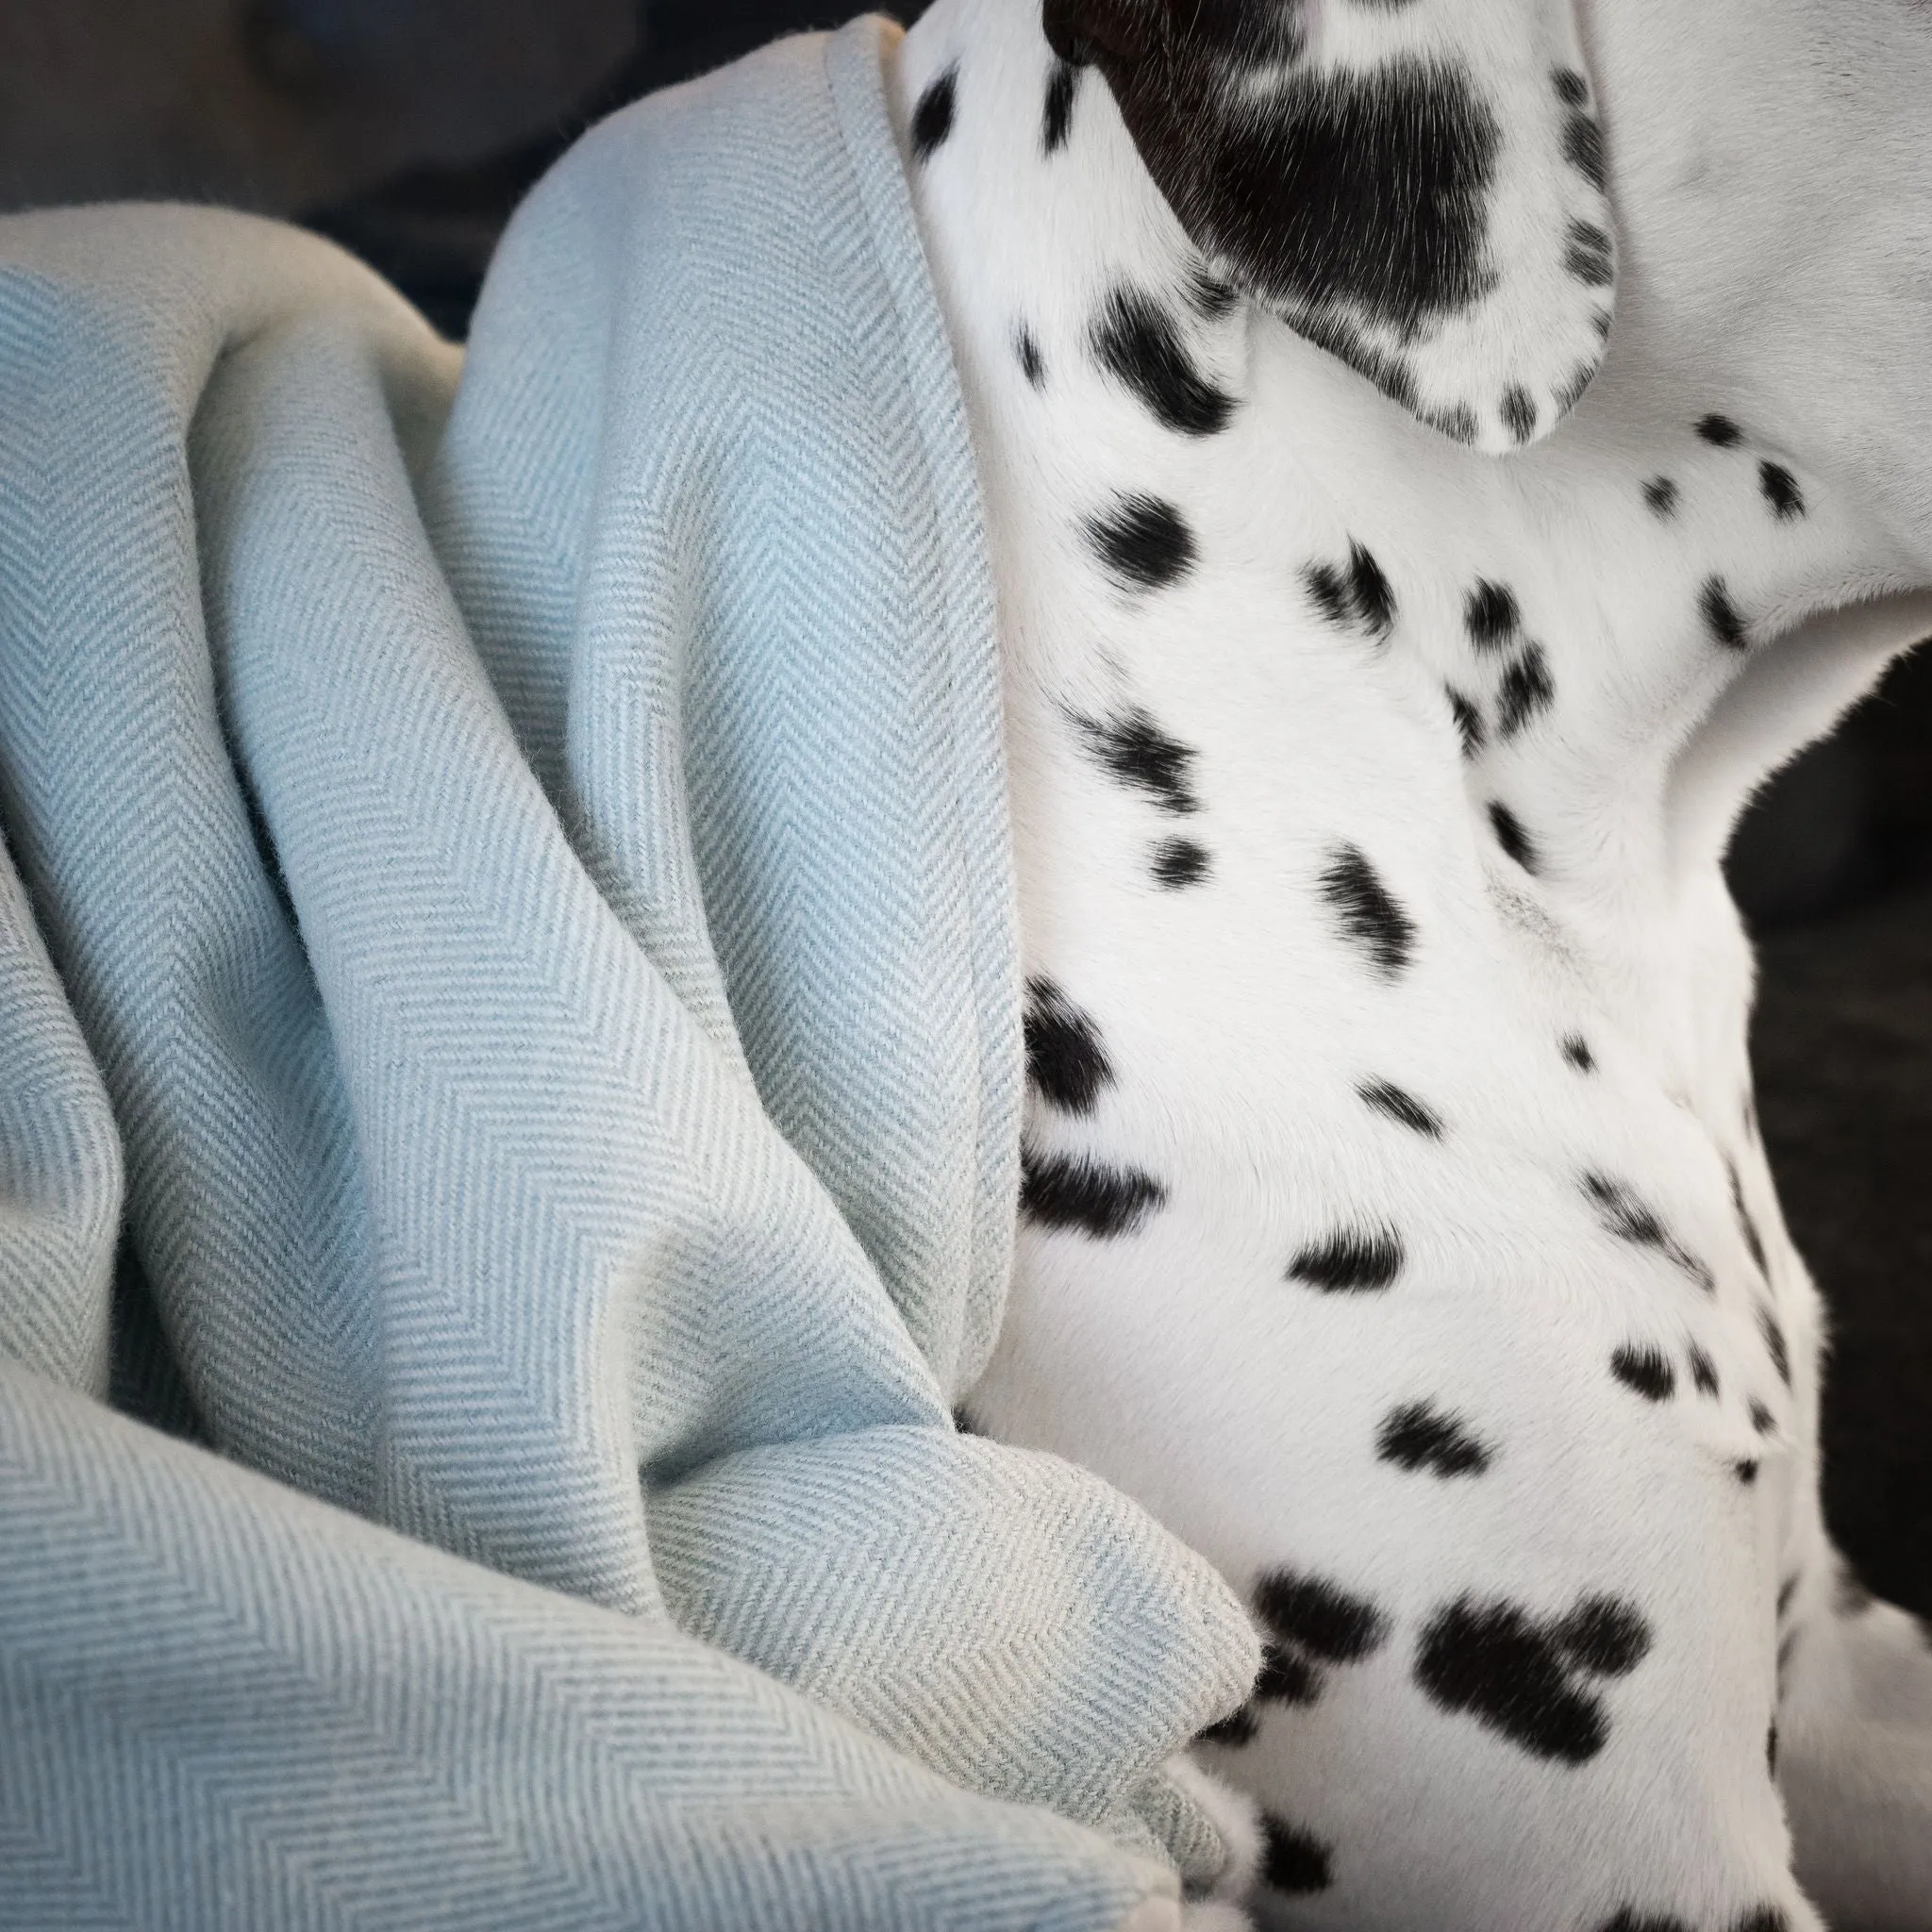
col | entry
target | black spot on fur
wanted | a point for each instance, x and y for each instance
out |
(1065, 1059)
(1293, 1860)
(1237, 1728)
(1027, 347)
(1770, 1750)
(1140, 754)
(1604, 1637)
(1287, 1677)
(1352, 1261)
(1526, 690)
(1418, 1435)
(1512, 837)
(1591, 257)
(1210, 295)
(1787, 1596)
(1761, 1418)
(1363, 190)
(1702, 1372)
(1775, 1344)
(1746, 1226)
(1720, 431)
(1402, 1108)
(1369, 915)
(1577, 1051)
(1057, 116)
(1059, 1191)
(932, 119)
(1624, 1214)
(1518, 410)
(1489, 614)
(1469, 721)
(1629, 1220)
(1246, 33)
(1571, 88)
(1375, 601)
(1320, 1617)
(1583, 148)
(1644, 1369)
(1310, 1620)
(1138, 342)
(1631, 1920)
(1361, 595)
(1179, 862)
(1721, 615)
(1781, 491)
(1516, 1676)
(1662, 495)
(1457, 422)
(1143, 541)
(1327, 585)
(1745, 1470)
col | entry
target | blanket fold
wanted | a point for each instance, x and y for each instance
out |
(509, 1041)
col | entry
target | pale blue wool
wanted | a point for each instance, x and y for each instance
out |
(508, 907)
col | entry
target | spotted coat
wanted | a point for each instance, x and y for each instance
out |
(1394, 1223)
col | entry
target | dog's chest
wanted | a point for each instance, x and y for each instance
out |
(1328, 1004)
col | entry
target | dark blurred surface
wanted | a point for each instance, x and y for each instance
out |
(1834, 864)
(1842, 1043)
(409, 130)
(406, 130)
(431, 229)
(275, 104)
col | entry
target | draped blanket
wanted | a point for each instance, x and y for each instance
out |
(510, 1089)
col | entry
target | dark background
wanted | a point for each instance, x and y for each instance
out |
(408, 130)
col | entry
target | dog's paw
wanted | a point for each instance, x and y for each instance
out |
(1535, 1682)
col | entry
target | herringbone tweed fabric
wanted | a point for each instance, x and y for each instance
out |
(508, 1083)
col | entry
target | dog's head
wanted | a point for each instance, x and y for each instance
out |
(1418, 185)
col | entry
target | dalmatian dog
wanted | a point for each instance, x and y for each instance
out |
(1383, 683)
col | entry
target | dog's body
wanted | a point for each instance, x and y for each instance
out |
(1395, 1225)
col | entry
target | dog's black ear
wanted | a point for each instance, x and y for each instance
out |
(1417, 184)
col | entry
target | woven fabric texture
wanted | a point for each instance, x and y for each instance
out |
(509, 1090)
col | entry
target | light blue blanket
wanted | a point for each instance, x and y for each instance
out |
(509, 1069)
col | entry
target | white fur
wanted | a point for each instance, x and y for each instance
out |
(1774, 192)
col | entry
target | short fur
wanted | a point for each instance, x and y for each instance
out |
(1396, 1224)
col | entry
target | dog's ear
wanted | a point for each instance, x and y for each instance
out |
(1417, 184)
